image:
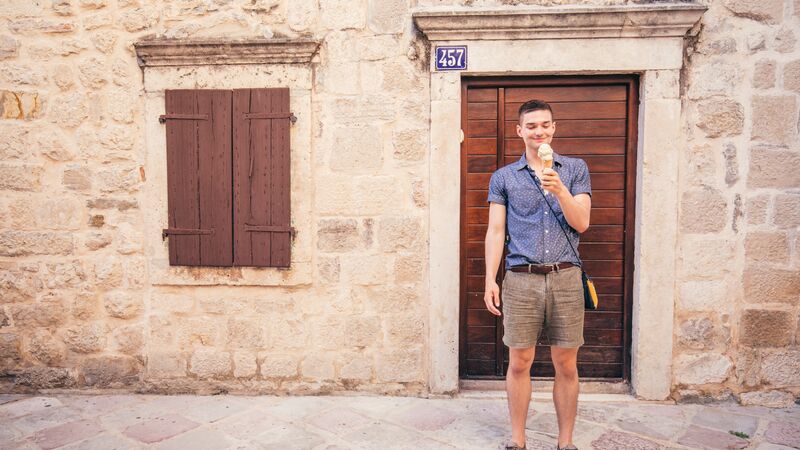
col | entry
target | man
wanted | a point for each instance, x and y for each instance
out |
(542, 287)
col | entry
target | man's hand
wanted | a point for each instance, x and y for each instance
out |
(551, 182)
(491, 296)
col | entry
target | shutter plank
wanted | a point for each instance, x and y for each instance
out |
(261, 181)
(281, 169)
(183, 204)
(241, 188)
(215, 177)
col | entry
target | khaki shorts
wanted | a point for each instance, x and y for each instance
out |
(532, 302)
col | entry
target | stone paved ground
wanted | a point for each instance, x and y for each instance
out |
(472, 421)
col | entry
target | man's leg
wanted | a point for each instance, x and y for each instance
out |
(518, 388)
(565, 391)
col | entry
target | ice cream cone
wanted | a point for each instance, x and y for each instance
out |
(547, 163)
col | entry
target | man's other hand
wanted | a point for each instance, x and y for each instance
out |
(491, 296)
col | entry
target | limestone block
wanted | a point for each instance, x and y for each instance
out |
(120, 204)
(770, 399)
(62, 7)
(24, 75)
(419, 194)
(20, 105)
(748, 367)
(110, 371)
(105, 41)
(46, 313)
(764, 74)
(787, 211)
(769, 11)
(699, 333)
(784, 40)
(83, 306)
(399, 233)
(356, 366)
(18, 284)
(108, 273)
(773, 167)
(766, 328)
(278, 365)
(328, 333)
(356, 149)
(20, 177)
(756, 209)
(404, 330)
(119, 179)
(387, 16)
(9, 351)
(301, 15)
(29, 26)
(123, 305)
(244, 364)
(53, 144)
(318, 367)
(46, 378)
(97, 241)
(705, 295)
(791, 76)
(129, 239)
(401, 78)
(64, 275)
(715, 78)
(69, 110)
(328, 269)
(338, 235)
(139, 19)
(774, 119)
(59, 214)
(701, 369)
(365, 270)
(135, 272)
(782, 368)
(86, 338)
(5, 319)
(703, 211)
(197, 330)
(93, 4)
(410, 145)
(401, 366)
(342, 14)
(9, 47)
(63, 77)
(130, 340)
(724, 46)
(45, 348)
(166, 364)
(763, 285)
(731, 165)
(409, 269)
(97, 20)
(245, 333)
(93, 72)
(767, 246)
(720, 117)
(363, 331)
(209, 362)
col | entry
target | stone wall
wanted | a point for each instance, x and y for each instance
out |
(739, 288)
(82, 305)
(83, 300)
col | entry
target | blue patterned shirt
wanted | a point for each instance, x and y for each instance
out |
(534, 234)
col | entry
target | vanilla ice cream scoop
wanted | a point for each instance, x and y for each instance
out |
(546, 155)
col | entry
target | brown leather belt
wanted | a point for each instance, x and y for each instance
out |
(541, 269)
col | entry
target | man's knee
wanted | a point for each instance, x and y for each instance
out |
(565, 364)
(520, 361)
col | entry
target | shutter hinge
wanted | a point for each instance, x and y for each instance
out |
(183, 231)
(164, 117)
(292, 118)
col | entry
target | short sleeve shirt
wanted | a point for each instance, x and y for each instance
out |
(534, 231)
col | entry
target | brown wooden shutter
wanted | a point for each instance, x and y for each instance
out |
(198, 126)
(261, 172)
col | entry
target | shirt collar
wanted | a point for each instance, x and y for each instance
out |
(522, 163)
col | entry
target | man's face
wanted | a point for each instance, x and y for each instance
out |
(536, 128)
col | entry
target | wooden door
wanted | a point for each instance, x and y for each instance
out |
(596, 121)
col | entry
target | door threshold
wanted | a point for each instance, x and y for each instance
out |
(490, 388)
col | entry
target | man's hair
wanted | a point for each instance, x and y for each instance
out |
(534, 105)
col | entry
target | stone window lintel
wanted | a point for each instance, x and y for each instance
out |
(195, 52)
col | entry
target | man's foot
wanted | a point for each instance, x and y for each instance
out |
(567, 447)
(511, 445)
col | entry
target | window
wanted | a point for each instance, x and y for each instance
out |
(228, 177)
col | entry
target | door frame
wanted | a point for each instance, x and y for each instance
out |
(632, 83)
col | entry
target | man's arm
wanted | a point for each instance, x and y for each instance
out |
(576, 209)
(494, 243)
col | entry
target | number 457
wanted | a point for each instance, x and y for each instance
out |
(451, 57)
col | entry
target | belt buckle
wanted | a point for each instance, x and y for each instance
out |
(554, 267)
